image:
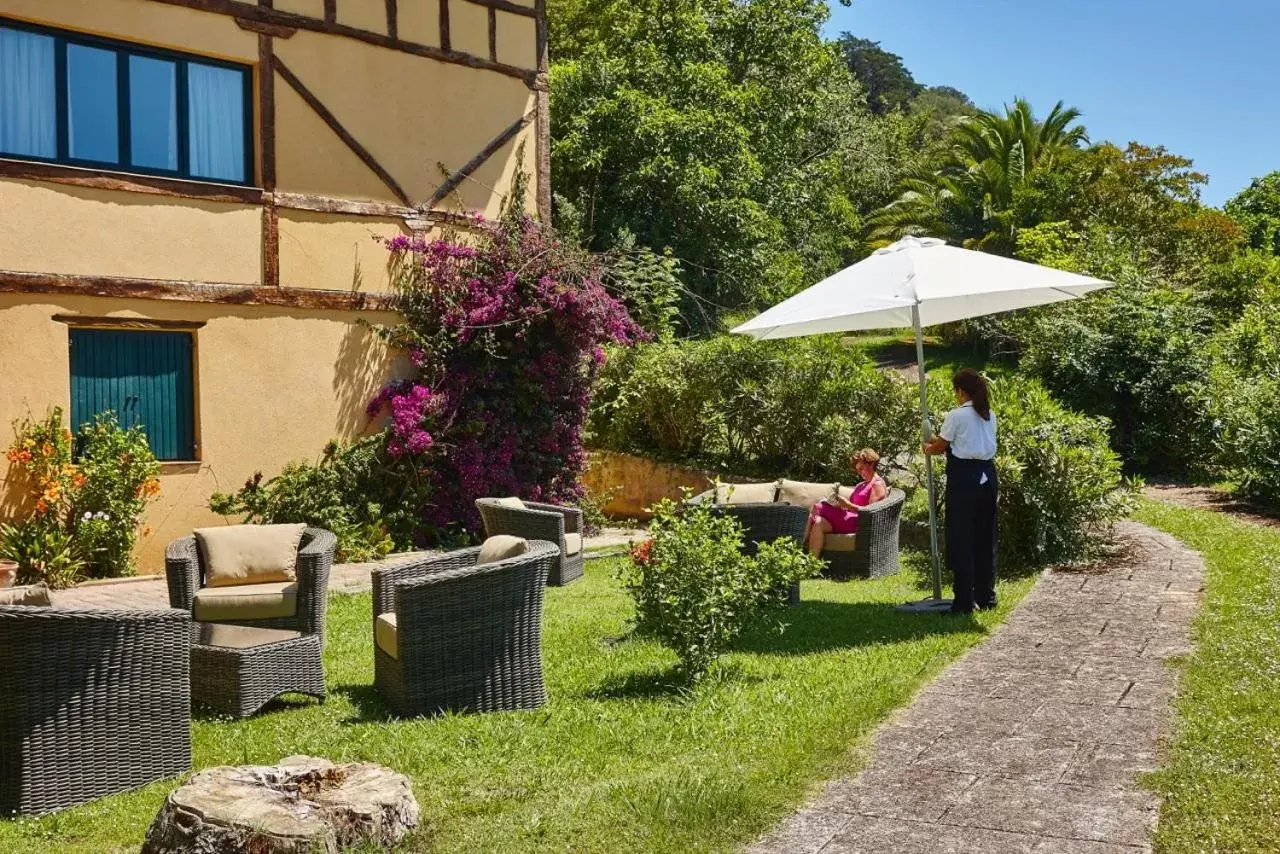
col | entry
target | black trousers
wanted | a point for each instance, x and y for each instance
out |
(971, 531)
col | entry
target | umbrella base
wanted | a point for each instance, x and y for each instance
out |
(925, 606)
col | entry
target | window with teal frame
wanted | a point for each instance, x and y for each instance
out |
(144, 377)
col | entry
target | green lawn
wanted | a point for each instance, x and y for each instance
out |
(1221, 787)
(616, 761)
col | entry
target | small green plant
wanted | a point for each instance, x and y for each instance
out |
(43, 550)
(694, 589)
(592, 505)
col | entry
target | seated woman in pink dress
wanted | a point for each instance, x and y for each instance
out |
(835, 515)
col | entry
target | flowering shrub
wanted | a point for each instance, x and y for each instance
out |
(85, 512)
(506, 334)
(696, 591)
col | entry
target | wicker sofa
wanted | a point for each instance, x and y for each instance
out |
(534, 521)
(298, 606)
(871, 553)
(92, 702)
(452, 635)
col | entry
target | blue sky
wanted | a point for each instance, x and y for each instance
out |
(1201, 77)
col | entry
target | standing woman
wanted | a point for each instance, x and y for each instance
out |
(968, 438)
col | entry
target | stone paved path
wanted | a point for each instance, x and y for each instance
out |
(150, 591)
(1033, 742)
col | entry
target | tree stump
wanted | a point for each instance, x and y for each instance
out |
(304, 805)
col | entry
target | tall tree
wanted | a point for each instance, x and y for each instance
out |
(1257, 209)
(969, 196)
(727, 131)
(888, 83)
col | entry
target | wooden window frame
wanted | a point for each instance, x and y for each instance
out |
(138, 324)
(123, 50)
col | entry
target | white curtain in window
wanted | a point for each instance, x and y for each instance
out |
(216, 112)
(28, 101)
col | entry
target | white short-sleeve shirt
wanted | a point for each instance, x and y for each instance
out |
(971, 436)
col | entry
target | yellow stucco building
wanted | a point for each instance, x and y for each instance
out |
(189, 195)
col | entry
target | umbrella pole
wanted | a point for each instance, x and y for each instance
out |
(925, 435)
(937, 603)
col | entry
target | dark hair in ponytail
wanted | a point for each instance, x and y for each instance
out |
(974, 385)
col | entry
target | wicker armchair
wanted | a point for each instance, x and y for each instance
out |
(875, 547)
(451, 635)
(92, 703)
(534, 521)
(185, 572)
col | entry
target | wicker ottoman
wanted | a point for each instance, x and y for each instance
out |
(237, 670)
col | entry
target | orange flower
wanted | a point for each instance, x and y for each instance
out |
(46, 449)
(66, 434)
(41, 507)
(149, 488)
(52, 491)
(78, 479)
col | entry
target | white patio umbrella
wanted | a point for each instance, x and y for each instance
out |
(917, 282)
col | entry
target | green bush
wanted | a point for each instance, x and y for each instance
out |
(794, 407)
(346, 492)
(1139, 356)
(1061, 485)
(696, 592)
(1246, 400)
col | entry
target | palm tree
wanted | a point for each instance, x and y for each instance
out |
(968, 196)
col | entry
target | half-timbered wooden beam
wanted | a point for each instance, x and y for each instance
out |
(276, 30)
(13, 281)
(336, 126)
(240, 9)
(393, 19)
(267, 156)
(451, 183)
(542, 103)
(493, 34)
(151, 184)
(506, 6)
(446, 39)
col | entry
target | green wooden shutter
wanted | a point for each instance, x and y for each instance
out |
(144, 378)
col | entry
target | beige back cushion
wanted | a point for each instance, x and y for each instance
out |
(249, 554)
(35, 595)
(502, 547)
(746, 493)
(510, 502)
(803, 494)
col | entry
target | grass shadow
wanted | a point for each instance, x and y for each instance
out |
(277, 705)
(812, 627)
(664, 684)
(368, 703)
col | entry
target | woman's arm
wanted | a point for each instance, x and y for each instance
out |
(935, 446)
(879, 491)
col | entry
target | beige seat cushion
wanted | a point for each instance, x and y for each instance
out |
(36, 595)
(501, 547)
(249, 554)
(261, 601)
(746, 493)
(802, 494)
(839, 542)
(572, 544)
(386, 634)
(510, 502)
